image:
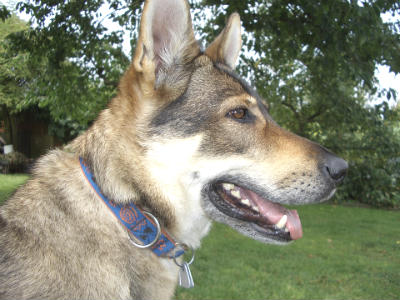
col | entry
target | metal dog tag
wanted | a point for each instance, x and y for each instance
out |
(185, 276)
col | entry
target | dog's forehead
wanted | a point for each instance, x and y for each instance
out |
(216, 81)
(244, 85)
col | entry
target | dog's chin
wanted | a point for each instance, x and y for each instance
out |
(247, 209)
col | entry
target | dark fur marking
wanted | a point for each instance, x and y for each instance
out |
(247, 87)
(187, 118)
(3, 222)
(134, 291)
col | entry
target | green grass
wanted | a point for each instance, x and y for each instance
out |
(345, 253)
(8, 183)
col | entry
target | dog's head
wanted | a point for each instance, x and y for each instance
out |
(206, 144)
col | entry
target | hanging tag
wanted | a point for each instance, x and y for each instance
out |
(185, 276)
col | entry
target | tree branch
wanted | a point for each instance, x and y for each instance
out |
(319, 112)
(291, 107)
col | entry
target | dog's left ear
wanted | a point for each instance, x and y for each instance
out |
(166, 39)
(226, 46)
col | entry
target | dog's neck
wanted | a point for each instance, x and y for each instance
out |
(123, 177)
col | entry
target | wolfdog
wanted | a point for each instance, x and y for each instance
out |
(185, 141)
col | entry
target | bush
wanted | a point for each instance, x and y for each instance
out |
(371, 145)
(14, 162)
(372, 184)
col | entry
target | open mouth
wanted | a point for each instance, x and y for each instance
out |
(268, 218)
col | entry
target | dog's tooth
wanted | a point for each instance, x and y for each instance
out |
(282, 222)
(245, 202)
(235, 193)
(228, 186)
(255, 208)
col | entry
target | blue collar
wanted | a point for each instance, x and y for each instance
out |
(142, 225)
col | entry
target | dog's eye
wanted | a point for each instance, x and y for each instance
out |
(238, 113)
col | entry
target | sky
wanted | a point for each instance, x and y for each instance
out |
(386, 78)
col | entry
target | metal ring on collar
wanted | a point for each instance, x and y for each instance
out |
(185, 247)
(155, 239)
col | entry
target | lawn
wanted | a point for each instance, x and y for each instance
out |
(8, 183)
(345, 253)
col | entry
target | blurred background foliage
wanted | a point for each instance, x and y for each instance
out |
(314, 62)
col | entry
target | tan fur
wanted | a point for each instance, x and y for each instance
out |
(161, 144)
(226, 47)
(71, 248)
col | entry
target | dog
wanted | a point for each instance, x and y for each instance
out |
(185, 141)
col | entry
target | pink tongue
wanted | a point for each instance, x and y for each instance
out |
(273, 212)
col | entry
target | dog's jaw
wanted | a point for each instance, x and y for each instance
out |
(258, 213)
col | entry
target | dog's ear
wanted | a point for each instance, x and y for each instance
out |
(166, 38)
(226, 46)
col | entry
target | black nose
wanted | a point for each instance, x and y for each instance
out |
(335, 167)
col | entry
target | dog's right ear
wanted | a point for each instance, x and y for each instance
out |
(166, 38)
(226, 46)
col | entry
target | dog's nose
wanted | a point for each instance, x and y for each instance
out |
(335, 167)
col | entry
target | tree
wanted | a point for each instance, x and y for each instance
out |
(313, 61)
(76, 70)
(13, 72)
